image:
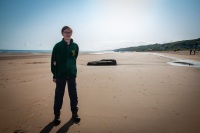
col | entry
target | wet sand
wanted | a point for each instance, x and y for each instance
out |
(142, 94)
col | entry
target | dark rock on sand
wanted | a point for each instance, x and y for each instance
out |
(103, 62)
(18, 131)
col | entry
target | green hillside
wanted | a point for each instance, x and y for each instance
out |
(172, 46)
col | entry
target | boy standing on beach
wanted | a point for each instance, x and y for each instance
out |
(64, 69)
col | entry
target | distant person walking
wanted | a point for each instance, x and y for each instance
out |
(64, 69)
(190, 51)
(194, 51)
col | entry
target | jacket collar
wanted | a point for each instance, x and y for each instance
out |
(71, 41)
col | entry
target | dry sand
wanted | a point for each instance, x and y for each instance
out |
(143, 94)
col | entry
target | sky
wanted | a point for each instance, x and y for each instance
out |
(97, 24)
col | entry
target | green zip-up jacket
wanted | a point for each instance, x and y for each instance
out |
(63, 60)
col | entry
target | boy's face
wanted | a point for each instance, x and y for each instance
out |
(67, 33)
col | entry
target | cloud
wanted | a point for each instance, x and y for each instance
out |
(26, 44)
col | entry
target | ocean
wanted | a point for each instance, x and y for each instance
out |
(25, 51)
(49, 51)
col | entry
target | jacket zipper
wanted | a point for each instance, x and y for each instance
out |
(67, 61)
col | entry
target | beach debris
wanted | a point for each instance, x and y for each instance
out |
(103, 62)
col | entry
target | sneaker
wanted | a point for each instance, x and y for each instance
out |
(76, 118)
(57, 120)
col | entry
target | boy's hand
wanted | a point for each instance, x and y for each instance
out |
(54, 63)
(54, 80)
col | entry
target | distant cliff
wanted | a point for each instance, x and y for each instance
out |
(172, 46)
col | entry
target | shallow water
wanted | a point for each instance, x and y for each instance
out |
(180, 62)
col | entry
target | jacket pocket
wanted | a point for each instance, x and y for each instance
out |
(61, 71)
(73, 71)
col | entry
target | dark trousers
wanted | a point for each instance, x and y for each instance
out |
(59, 94)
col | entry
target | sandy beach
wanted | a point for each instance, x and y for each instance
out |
(142, 94)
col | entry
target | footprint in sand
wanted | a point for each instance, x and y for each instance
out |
(176, 113)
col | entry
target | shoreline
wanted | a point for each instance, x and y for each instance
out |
(178, 56)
